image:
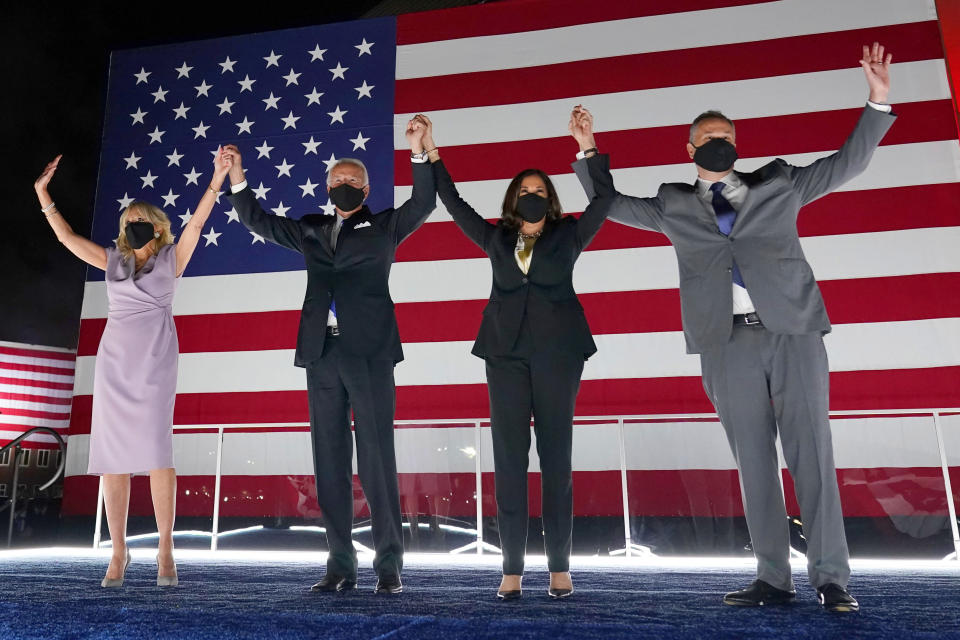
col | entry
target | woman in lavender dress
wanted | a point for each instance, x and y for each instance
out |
(136, 368)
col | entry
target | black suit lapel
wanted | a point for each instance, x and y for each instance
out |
(325, 230)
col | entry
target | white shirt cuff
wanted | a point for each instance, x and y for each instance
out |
(237, 188)
(886, 108)
(419, 160)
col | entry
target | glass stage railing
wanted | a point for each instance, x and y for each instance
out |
(643, 484)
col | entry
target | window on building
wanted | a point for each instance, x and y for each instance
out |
(43, 458)
(21, 490)
(56, 460)
(5, 457)
(3, 491)
(25, 458)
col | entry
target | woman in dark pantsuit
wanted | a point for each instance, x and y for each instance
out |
(534, 339)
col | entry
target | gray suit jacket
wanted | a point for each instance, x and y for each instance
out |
(764, 239)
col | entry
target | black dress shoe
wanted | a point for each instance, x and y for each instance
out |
(512, 594)
(388, 584)
(559, 593)
(759, 594)
(833, 597)
(333, 582)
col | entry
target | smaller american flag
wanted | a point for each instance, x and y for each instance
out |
(36, 390)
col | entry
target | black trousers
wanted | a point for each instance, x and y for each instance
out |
(335, 384)
(544, 384)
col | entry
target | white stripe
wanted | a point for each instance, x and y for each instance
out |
(860, 443)
(38, 348)
(858, 255)
(669, 32)
(895, 165)
(851, 347)
(37, 362)
(28, 389)
(6, 436)
(738, 99)
(78, 452)
(6, 403)
(28, 422)
(38, 376)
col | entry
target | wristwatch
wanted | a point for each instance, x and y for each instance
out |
(583, 154)
(418, 157)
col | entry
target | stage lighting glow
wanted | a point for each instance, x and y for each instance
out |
(534, 562)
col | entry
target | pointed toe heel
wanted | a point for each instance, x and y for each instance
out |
(113, 583)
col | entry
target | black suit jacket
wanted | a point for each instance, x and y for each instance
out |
(355, 276)
(545, 295)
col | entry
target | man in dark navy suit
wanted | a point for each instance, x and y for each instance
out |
(349, 343)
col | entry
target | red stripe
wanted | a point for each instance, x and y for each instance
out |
(843, 212)
(13, 366)
(855, 300)
(533, 15)
(660, 69)
(43, 384)
(31, 413)
(917, 491)
(850, 391)
(780, 135)
(38, 353)
(24, 397)
(20, 428)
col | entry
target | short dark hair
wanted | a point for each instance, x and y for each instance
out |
(709, 115)
(509, 215)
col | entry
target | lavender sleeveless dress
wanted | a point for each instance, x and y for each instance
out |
(135, 378)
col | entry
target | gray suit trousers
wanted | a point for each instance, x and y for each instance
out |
(760, 381)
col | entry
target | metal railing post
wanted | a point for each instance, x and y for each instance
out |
(97, 532)
(216, 492)
(951, 506)
(479, 472)
(13, 493)
(624, 491)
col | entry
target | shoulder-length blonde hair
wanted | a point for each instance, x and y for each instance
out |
(152, 214)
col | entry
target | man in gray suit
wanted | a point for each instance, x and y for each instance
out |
(752, 309)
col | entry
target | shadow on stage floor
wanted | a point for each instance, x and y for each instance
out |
(55, 593)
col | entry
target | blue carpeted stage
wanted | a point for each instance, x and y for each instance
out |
(56, 594)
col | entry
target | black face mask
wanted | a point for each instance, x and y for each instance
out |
(532, 207)
(715, 155)
(346, 197)
(139, 234)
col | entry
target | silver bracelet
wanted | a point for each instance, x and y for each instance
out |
(48, 207)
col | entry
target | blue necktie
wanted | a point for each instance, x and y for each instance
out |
(726, 216)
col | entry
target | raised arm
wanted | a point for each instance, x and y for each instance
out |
(826, 174)
(470, 222)
(593, 171)
(191, 233)
(581, 127)
(423, 200)
(87, 250)
(277, 229)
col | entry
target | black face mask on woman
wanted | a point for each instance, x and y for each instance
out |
(139, 234)
(715, 155)
(532, 207)
(346, 197)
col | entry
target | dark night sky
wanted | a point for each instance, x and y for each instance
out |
(54, 73)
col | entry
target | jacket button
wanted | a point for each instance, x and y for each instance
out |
(523, 280)
(729, 268)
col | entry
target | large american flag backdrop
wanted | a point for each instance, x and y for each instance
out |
(499, 81)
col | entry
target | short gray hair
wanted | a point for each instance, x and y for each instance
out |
(351, 161)
(709, 115)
